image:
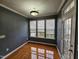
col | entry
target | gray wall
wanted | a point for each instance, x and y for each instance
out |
(51, 41)
(60, 33)
(15, 27)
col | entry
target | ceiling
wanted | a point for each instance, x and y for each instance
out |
(23, 7)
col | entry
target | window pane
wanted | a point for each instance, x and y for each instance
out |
(67, 37)
(41, 28)
(33, 28)
(50, 28)
(67, 29)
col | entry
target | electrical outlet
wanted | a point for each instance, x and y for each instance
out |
(7, 49)
(1, 56)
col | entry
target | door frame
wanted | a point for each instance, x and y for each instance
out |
(69, 14)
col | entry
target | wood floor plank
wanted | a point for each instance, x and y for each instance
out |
(26, 53)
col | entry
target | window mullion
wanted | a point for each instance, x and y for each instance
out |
(45, 29)
(36, 28)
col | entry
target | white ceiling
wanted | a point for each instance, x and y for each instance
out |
(23, 7)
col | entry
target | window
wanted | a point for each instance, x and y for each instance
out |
(71, 5)
(43, 29)
(50, 29)
(33, 28)
(40, 28)
(67, 37)
(67, 29)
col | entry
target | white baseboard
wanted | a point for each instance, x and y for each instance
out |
(43, 43)
(58, 52)
(4, 57)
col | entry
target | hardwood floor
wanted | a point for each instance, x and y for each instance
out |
(35, 51)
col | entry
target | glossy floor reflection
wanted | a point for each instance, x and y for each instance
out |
(38, 53)
(35, 51)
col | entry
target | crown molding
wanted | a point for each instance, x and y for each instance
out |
(62, 3)
(4, 6)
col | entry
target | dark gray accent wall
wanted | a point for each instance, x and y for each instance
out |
(15, 28)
